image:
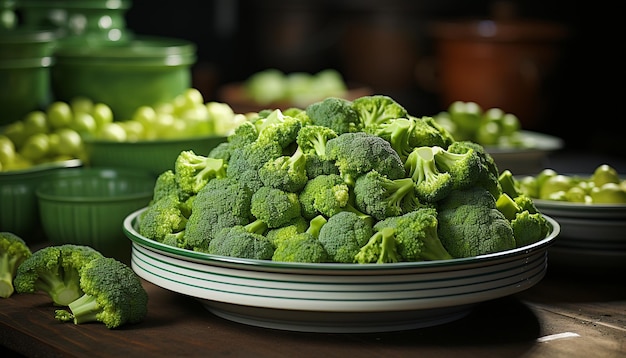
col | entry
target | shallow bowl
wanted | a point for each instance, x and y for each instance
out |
(340, 298)
(86, 206)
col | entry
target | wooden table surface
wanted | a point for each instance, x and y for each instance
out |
(564, 315)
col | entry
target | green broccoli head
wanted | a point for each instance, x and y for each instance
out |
(244, 134)
(334, 113)
(471, 225)
(166, 184)
(313, 139)
(113, 295)
(416, 235)
(464, 168)
(246, 242)
(380, 248)
(13, 251)
(55, 270)
(162, 217)
(380, 197)
(278, 128)
(324, 194)
(220, 204)
(275, 207)
(488, 176)
(221, 151)
(404, 134)
(358, 153)
(375, 110)
(292, 228)
(303, 247)
(529, 228)
(194, 171)
(344, 234)
(431, 184)
(245, 162)
(287, 173)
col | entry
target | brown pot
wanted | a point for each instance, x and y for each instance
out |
(494, 63)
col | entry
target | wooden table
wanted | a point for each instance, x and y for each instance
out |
(558, 317)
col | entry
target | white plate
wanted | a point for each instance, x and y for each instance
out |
(338, 297)
(530, 159)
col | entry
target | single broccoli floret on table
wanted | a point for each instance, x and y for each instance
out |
(113, 295)
(380, 248)
(470, 224)
(326, 195)
(358, 153)
(55, 270)
(13, 251)
(275, 207)
(243, 241)
(286, 173)
(194, 171)
(431, 184)
(303, 247)
(375, 110)
(344, 234)
(381, 197)
(488, 176)
(335, 113)
(404, 134)
(221, 203)
(416, 235)
(312, 142)
(163, 217)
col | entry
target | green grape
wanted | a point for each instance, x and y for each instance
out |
(81, 105)
(102, 114)
(59, 115)
(66, 142)
(609, 193)
(134, 130)
(604, 174)
(147, 116)
(16, 133)
(113, 132)
(510, 124)
(35, 122)
(84, 123)
(36, 147)
(555, 184)
(7, 151)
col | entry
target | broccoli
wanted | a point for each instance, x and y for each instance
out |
(163, 217)
(431, 184)
(243, 241)
(380, 197)
(294, 227)
(416, 235)
(464, 168)
(358, 153)
(166, 184)
(193, 171)
(488, 175)
(312, 142)
(470, 224)
(303, 247)
(375, 110)
(221, 151)
(220, 204)
(334, 113)
(528, 224)
(380, 248)
(245, 162)
(326, 195)
(55, 270)
(404, 134)
(343, 236)
(278, 128)
(274, 207)
(13, 251)
(243, 135)
(112, 295)
(508, 183)
(286, 173)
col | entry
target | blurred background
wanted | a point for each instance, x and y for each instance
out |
(572, 79)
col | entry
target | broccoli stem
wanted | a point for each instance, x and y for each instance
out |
(6, 284)
(84, 309)
(316, 225)
(400, 188)
(62, 290)
(381, 248)
(258, 226)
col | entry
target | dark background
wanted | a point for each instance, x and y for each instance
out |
(583, 94)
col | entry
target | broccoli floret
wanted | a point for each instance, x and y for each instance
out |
(287, 173)
(244, 134)
(488, 176)
(220, 204)
(509, 184)
(166, 184)
(194, 171)
(416, 235)
(380, 248)
(381, 197)
(113, 295)
(465, 168)
(326, 195)
(55, 270)
(13, 251)
(279, 128)
(344, 234)
(163, 217)
(375, 110)
(529, 228)
(243, 241)
(312, 141)
(431, 184)
(275, 207)
(335, 113)
(358, 153)
(221, 151)
(404, 134)
(292, 228)
(245, 162)
(471, 225)
(303, 247)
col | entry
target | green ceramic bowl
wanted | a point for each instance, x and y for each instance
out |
(19, 211)
(153, 156)
(144, 71)
(87, 206)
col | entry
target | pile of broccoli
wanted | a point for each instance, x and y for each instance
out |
(342, 181)
(95, 288)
